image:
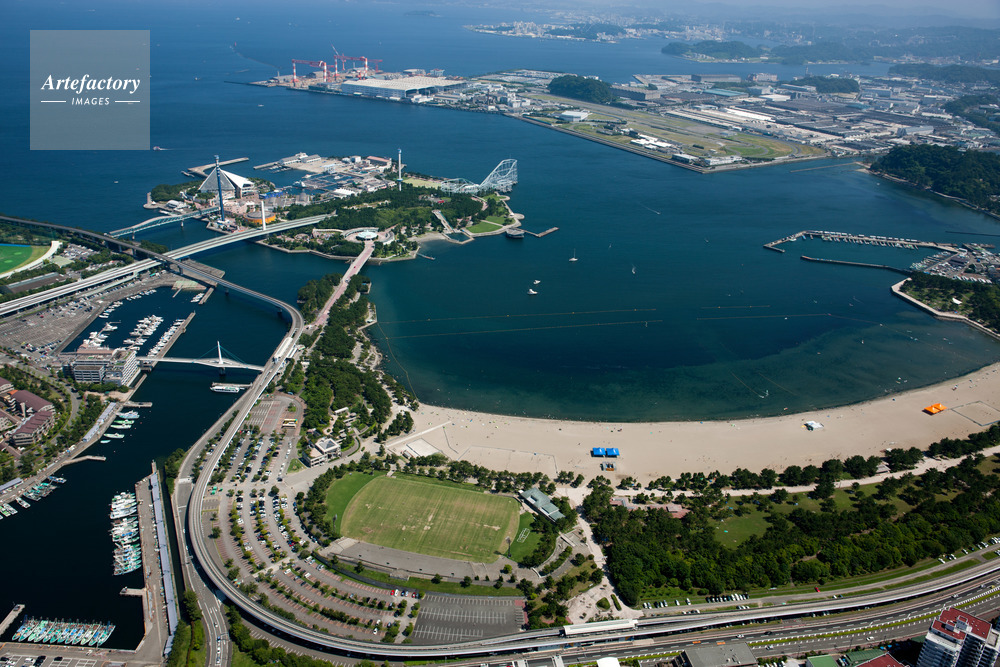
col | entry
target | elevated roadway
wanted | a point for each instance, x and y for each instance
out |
(126, 273)
(161, 220)
(248, 235)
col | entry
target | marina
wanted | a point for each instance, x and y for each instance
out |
(125, 533)
(862, 239)
(43, 631)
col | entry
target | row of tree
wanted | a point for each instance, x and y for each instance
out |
(314, 294)
(649, 548)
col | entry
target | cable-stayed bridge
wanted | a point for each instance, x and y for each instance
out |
(218, 361)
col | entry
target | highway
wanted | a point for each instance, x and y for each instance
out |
(124, 273)
(249, 235)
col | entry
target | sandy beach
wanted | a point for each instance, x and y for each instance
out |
(649, 450)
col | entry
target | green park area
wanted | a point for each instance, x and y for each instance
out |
(14, 256)
(484, 226)
(434, 519)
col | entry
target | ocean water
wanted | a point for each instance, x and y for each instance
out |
(672, 311)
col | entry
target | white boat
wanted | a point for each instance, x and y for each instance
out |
(532, 292)
(573, 258)
(536, 282)
(226, 388)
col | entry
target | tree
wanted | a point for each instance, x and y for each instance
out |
(191, 609)
(466, 581)
(582, 88)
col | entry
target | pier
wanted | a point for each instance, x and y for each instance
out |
(86, 458)
(137, 404)
(14, 613)
(539, 235)
(176, 335)
(864, 264)
(203, 170)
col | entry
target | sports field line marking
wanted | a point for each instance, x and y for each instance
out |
(523, 536)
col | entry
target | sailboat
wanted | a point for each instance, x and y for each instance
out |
(532, 292)
(573, 258)
(536, 282)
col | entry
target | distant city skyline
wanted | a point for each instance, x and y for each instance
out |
(803, 10)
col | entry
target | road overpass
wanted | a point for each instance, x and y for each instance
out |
(125, 273)
(160, 221)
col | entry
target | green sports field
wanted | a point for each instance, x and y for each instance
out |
(431, 519)
(13, 256)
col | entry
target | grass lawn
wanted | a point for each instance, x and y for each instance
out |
(497, 220)
(340, 494)
(483, 226)
(421, 182)
(13, 256)
(431, 519)
(525, 540)
(199, 651)
(295, 465)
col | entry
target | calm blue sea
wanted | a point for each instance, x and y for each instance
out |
(672, 311)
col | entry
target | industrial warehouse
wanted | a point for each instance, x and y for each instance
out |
(412, 85)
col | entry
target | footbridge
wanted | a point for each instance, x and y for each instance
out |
(218, 361)
(160, 221)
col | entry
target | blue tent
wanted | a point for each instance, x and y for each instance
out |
(611, 451)
(597, 451)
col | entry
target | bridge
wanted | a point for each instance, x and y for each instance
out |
(123, 274)
(159, 221)
(218, 361)
(248, 235)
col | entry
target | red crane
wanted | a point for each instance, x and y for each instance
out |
(311, 63)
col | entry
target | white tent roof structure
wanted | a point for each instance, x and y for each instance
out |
(230, 182)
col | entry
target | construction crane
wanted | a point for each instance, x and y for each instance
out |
(311, 63)
(362, 59)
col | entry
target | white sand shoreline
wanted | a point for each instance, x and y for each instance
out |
(652, 449)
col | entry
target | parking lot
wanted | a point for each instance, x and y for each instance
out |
(445, 618)
(25, 660)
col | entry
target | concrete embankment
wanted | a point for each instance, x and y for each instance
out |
(897, 289)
